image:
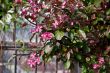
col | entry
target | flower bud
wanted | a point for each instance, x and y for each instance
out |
(18, 1)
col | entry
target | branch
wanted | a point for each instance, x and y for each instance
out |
(31, 22)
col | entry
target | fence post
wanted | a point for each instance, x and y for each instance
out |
(1, 56)
(76, 68)
(56, 65)
(36, 69)
(15, 71)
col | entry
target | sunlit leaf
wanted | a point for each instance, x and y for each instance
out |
(82, 33)
(59, 34)
(6, 28)
(67, 64)
(40, 19)
(68, 55)
(48, 49)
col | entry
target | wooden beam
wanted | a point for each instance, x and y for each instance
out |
(13, 45)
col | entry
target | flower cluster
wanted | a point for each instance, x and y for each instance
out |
(33, 60)
(99, 64)
(46, 36)
(38, 28)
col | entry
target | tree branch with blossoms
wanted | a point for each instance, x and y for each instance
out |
(75, 30)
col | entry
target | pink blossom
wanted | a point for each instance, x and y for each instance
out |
(33, 4)
(45, 6)
(46, 36)
(18, 1)
(72, 23)
(55, 24)
(37, 60)
(37, 29)
(33, 55)
(63, 4)
(101, 60)
(24, 12)
(36, 9)
(62, 18)
(30, 1)
(33, 60)
(72, 8)
(31, 63)
(33, 16)
(95, 66)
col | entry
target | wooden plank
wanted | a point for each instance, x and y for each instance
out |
(1, 57)
(16, 45)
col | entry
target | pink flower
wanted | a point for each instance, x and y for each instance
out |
(55, 24)
(63, 4)
(45, 6)
(62, 18)
(33, 4)
(33, 55)
(72, 23)
(30, 1)
(18, 1)
(101, 60)
(37, 60)
(33, 60)
(31, 63)
(37, 29)
(36, 9)
(46, 36)
(24, 12)
(95, 66)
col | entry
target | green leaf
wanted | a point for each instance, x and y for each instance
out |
(48, 48)
(71, 34)
(86, 49)
(40, 19)
(78, 56)
(108, 12)
(97, 3)
(84, 69)
(86, 29)
(1, 25)
(97, 20)
(67, 64)
(11, 10)
(1, 22)
(49, 59)
(68, 55)
(8, 18)
(6, 28)
(82, 34)
(59, 34)
(89, 1)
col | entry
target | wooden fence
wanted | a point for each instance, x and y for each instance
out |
(14, 61)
